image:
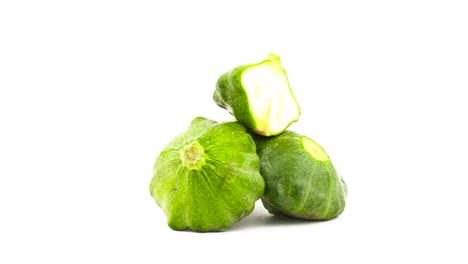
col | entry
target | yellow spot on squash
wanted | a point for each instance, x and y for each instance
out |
(193, 156)
(314, 149)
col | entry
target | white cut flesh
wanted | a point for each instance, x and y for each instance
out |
(271, 100)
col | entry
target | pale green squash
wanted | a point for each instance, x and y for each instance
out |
(208, 178)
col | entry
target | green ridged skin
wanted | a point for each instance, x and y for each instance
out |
(300, 179)
(208, 178)
(259, 96)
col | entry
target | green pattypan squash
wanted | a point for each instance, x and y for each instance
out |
(259, 96)
(300, 179)
(208, 178)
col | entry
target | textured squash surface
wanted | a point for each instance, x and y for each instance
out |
(208, 177)
(300, 179)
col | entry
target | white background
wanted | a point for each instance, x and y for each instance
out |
(91, 91)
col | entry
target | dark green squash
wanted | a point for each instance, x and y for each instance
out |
(300, 179)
